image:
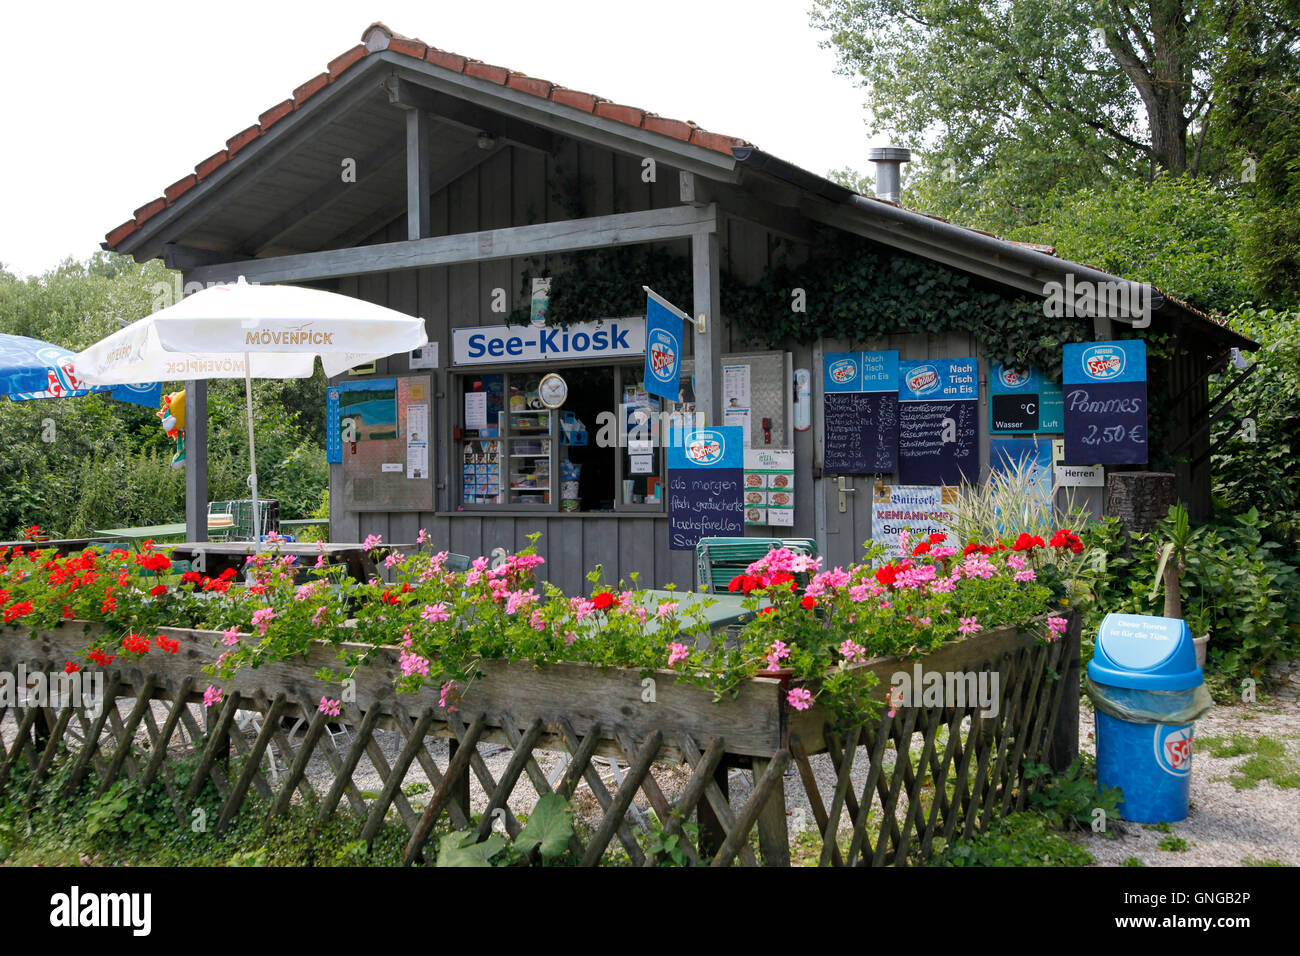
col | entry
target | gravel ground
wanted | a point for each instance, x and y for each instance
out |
(1225, 826)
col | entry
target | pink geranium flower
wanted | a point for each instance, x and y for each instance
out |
(799, 699)
(677, 652)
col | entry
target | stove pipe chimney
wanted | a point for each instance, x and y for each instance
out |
(889, 160)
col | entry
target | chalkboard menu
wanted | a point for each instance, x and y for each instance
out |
(1023, 401)
(938, 422)
(706, 469)
(860, 412)
(1105, 403)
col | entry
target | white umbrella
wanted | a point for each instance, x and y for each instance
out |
(250, 331)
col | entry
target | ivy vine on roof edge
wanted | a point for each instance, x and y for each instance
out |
(854, 289)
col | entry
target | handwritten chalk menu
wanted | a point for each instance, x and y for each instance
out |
(938, 428)
(706, 469)
(769, 487)
(1024, 401)
(1106, 403)
(860, 412)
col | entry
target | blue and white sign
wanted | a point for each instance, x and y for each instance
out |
(861, 371)
(938, 428)
(663, 353)
(1087, 363)
(502, 344)
(1105, 403)
(1024, 401)
(860, 412)
(939, 380)
(705, 485)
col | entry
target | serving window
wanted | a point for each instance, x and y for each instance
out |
(599, 452)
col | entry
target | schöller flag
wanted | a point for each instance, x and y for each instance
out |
(663, 347)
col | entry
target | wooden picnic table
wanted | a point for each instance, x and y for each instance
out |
(66, 545)
(220, 555)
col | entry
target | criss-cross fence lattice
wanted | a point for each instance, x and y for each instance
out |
(626, 750)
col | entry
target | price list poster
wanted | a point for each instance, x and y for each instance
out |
(860, 412)
(1105, 403)
(938, 422)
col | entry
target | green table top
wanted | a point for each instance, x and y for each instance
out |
(146, 531)
(724, 611)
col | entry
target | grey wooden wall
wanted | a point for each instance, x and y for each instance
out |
(517, 186)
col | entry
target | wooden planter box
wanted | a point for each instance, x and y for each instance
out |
(583, 710)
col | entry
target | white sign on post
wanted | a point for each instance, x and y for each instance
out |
(1081, 476)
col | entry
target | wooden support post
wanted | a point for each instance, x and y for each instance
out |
(712, 833)
(708, 344)
(459, 794)
(773, 837)
(417, 174)
(196, 461)
(1064, 745)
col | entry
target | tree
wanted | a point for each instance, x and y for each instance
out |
(1008, 100)
(1182, 235)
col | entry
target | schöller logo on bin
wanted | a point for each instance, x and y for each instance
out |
(663, 355)
(704, 448)
(1102, 363)
(499, 344)
(844, 371)
(1174, 749)
(923, 380)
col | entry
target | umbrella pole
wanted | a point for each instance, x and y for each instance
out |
(252, 459)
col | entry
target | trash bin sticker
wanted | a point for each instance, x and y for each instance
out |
(1174, 749)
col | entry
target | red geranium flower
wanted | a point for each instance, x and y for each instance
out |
(67, 613)
(922, 548)
(602, 601)
(191, 577)
(136, 644)
(1027, 542)
(937, 538)
(808, 603)
(157, 589)
(100, 658)
(167, 644)
(154, 562)
(70, 668)
(21, 609)
(767, 610)
(886, 574)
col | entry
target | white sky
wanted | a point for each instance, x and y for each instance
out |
(105, 104)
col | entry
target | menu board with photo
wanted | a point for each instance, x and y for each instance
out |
(769, 487)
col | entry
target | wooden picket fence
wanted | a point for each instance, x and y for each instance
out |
(879, 793)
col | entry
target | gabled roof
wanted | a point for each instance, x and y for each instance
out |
(377, 38)
(1019, 265)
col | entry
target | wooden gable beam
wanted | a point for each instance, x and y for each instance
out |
(548, 238)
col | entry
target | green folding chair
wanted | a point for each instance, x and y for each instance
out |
(719, 560)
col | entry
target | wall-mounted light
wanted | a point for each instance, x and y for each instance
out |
(486, 140)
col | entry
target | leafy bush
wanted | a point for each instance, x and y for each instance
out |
(1264, 474)
(1021, 839)
(1236, 584)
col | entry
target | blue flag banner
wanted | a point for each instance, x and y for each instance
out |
(1105, 403)
(663, 347)
(31, 369)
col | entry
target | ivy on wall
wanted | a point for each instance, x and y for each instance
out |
(852, 289)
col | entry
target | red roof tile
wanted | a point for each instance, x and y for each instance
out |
(242, 139)
(624, 114)
(486, 71)
(205, 169)
(344, 60)
(276, 113)
(180, 187)
(378, 37)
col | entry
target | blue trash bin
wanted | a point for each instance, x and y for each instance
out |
(1147, 692)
